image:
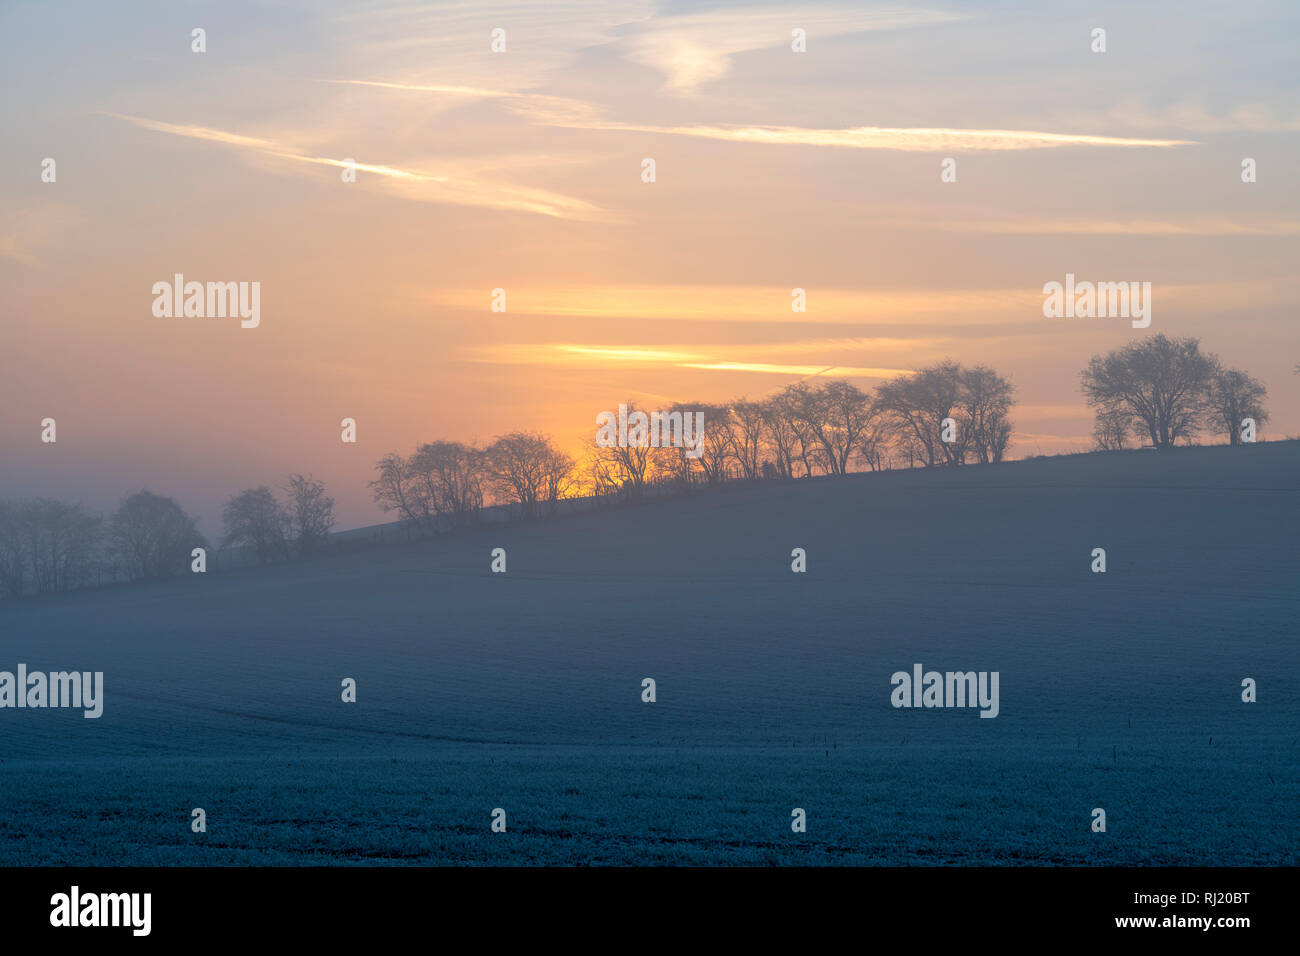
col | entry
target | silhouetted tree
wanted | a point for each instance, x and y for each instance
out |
(715, 448)
(559, 476)
(916, 406)
(781, 436)
(1162, 382)
(748, 434)
(254, 519)
(1234, 396)
(795, 406)
(394, 491)
(14, 560)
(626, 468)
(524, 469)
(47, 545)
(450, 477)
(152, 536)
(985, 402)
(875, 441)
(1111, 429)
(311, 513)
(836, 413)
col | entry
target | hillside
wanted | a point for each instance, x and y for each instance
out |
(522, 690)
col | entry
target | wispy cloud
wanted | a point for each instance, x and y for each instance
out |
(555, 110)
(909, 139)
(449, 43)
(26, 233)
(728, 303)
(697, 48)
(568, 113)
(1197, 118)
(838, 371)
(1103, 227)
(694, 357)
(1009, 307)
(454, 188)
(617, 353)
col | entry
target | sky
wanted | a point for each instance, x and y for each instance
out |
(522, 170)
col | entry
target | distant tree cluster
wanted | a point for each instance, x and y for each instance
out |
(445, 484)
(1159, 389)
(152, 536)
(273, 530)
(48, 546)
(1167, 390)
(827, 427)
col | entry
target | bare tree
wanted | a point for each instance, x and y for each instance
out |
(875, 441)
(781, 435)
(1111, 429)
(254, 519)
(48, 545)
(1233, 397)
(916, 406)
(748, 428)
(985, 402)
(395, 490)
(675, 466)
(836, 414)
(1162, 382)
(447, 479)
(715, 449)
(15, 558)
(311, 513)
(795, 406)
(525, 469)
(152, 536)
(601, 477)
(559, 477)
(626, 467)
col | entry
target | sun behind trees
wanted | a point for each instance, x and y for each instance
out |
(827, 427)
(1160, 389)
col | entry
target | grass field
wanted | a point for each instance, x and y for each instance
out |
(522, 690)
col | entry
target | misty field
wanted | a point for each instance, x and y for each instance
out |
(523, 690)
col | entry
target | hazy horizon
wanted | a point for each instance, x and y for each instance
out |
(521, 170)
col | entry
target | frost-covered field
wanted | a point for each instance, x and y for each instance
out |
(522, 691)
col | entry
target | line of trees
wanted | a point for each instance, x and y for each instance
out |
(828, 427)
(445, 484)
(1162, 389)
(48, 546)
(1166, 391)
